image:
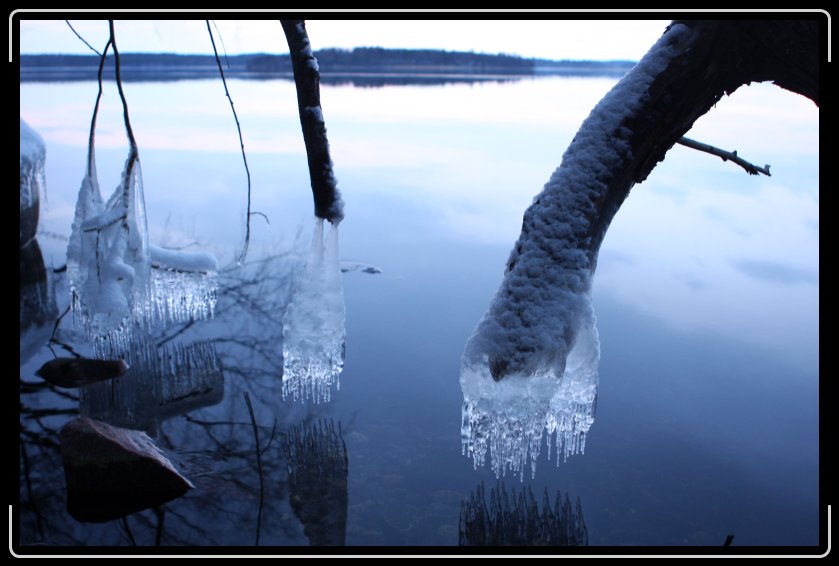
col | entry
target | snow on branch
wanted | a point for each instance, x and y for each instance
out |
(725, 156)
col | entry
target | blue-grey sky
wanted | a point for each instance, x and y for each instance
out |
(547, 38)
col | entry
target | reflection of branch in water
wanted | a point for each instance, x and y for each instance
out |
(39, 523)
(258, 467)
(518, 521)
(317, 478)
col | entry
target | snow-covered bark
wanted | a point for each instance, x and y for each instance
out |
(532, 322)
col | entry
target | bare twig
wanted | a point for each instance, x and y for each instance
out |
(129, 131)
(259, 466)
(90, 143)
(223, 48)
(80, 37)
(244, 251)
(262, 215)
(724, 155)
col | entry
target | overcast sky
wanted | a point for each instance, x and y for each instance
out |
(547, 38)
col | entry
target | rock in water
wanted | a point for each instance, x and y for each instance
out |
(112, 472)
(76, 372)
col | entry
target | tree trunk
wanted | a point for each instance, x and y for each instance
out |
(328, 203)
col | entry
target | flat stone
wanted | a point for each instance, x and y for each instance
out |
(112, 472)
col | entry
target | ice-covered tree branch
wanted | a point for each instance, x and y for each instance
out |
(533, 321)
(732, 156)
(328, 203)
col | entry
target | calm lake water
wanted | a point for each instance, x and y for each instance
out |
(706, 297)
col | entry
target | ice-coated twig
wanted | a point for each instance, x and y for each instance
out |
(750, 168)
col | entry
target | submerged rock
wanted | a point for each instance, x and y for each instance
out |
(76, 372)
(112, 472)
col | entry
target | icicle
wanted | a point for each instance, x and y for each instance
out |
(182, 288)
(508, 417)
(314, 331)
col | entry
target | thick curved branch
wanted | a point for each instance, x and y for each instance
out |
(328, 203)
(532, 322)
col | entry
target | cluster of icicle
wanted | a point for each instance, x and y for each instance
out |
(509, 418)
(120, 284)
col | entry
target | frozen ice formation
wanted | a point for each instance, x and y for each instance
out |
(108, 263)
(516, 372)
(508, 418)
(121, 283)
(33, 155)
(38, 309)
(314, 331)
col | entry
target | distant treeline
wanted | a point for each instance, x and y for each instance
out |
(151, 66)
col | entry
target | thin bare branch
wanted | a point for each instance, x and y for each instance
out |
(724, 155)
(90, 143)
(129, 131)
(244, 251)
(80, 37)
(223, 48)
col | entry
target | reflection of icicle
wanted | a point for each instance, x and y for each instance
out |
(161, 382)
(519, 521)
(316, 459)
(314, 329)
(508, 417)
